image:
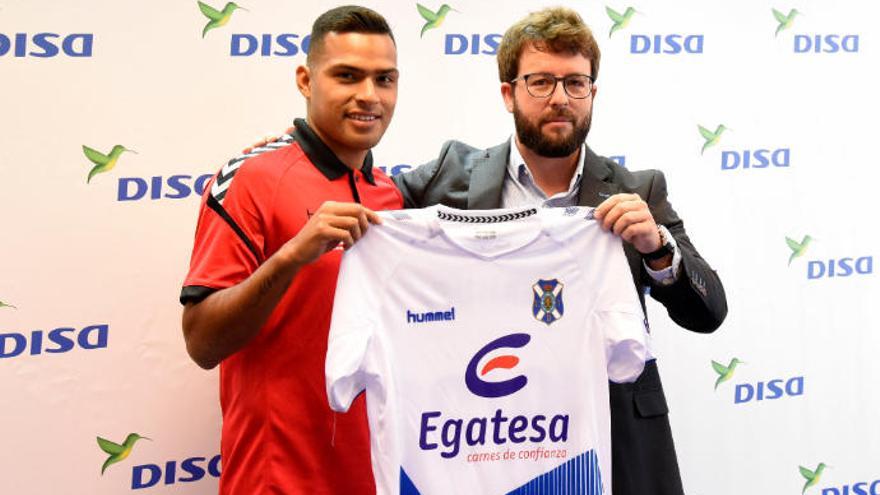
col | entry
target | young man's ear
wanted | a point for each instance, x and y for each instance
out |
(304, 80)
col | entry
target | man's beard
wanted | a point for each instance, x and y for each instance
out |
(533, 138)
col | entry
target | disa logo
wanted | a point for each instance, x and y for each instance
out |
(745, 158)
(60, 340)
(798, 249)
(832, 267)
(812, 477)
(170, 472)
(853, 488)
(101, 162)
(620, 21)
(159, 187)
(784, 20)
(711, 138)
(268, 45)
(815, 43)
(776, 388)
(245, 44)
(480, 387)
(117, 452)
(46, 45)
(656, 44)
(455, 43)
(725, 372)
(433, 19)
(191, 469)
(217, 18)
(137, 188)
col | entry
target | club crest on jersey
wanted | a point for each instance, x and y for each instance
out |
(548, 306)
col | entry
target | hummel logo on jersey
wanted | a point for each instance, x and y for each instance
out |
(430, 316)
(547, 305)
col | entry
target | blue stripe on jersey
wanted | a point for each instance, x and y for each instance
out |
(407, 487)
(578, 476)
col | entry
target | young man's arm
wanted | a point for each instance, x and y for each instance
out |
(225, 321)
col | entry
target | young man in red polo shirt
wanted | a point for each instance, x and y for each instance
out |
(263, 272)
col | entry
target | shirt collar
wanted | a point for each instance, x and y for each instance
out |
(517, 168)
(323, 158)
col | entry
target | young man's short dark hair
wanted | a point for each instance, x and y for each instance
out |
(345, 19)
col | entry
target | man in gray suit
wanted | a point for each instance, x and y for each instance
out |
(548, 63)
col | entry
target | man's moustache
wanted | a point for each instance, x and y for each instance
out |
(565, 115)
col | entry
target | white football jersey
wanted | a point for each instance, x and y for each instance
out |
(485, 341)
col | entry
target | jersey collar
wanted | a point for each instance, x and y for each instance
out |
(323, 158)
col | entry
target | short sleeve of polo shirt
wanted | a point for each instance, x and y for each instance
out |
(230, 232)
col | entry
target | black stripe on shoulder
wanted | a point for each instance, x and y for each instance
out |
(215, 205)
(224, 177)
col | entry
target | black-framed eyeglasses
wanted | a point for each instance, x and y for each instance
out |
(543, 84)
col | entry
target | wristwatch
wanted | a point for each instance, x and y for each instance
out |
(664, 250)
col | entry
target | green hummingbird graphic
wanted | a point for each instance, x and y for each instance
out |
(725, 372)
(620, 21)
(784, 20)
(4, 305)
(711, 137)
(812, 477)
(216, 17)
(797, 248)
(434, 20)
(103, 163)
(117, 452)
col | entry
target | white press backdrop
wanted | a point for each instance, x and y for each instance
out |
(91, 343)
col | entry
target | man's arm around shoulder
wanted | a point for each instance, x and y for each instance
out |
(415, 184)
(442, 180)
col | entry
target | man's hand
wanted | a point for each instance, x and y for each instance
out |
(333, 224)
(628, 216)
(266, 140)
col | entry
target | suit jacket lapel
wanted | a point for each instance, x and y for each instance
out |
(596, 184)
(487, 176)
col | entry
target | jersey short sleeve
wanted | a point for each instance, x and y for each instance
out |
(617, 311)
(229, 236)
(351, 330)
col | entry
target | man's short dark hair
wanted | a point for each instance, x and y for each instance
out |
(345, 19)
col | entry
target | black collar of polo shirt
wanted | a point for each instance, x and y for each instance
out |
(323, 158)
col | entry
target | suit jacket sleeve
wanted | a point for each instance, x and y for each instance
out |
(696, 301)
(416, 184)
(445, 180)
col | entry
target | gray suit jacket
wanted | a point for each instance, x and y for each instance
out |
(643, 452)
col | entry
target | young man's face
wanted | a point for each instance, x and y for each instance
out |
(554, 126)
(351, 90)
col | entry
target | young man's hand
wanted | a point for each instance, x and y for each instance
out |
(334, 224)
